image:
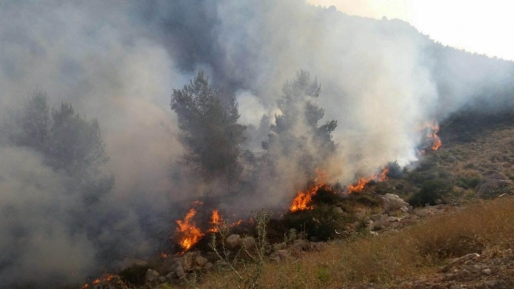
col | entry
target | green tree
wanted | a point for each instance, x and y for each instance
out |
(209, 129)
(296, 133)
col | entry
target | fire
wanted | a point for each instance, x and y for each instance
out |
(188, 232)
(216, 221)
(98, 280)
(361, 183)
(302, 200)
(436, 141)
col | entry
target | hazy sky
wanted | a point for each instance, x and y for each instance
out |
(482, 26)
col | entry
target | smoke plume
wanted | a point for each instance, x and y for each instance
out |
(119, 61)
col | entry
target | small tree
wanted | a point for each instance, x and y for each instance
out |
(34, 122)
(296, 133)
(209, 129)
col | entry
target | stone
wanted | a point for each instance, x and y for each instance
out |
(489, 185)
(162, 279)
(487, 271)
(421, 212)
(233, 241)
(200, 261)
(283, 255)
(151, 276)
(393, 202)
(171, 276)
(188, 262)
(208, 266)
(301, 245)
(129, 263)
(249, 243)
(179, 271)
(338, 211)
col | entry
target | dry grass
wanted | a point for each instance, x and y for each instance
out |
(393, 257)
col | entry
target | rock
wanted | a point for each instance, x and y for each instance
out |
(171, 276)
(393, 202)
(249, 243)
(162, 279)
(338, 211)
(179, 271)
(392, 219)
(404, 210)
(301, 245)
(421, 212)
(208, 266)
(188, 262)
(452, 159)
(233, 241)
(129, 263)
(487, 271)
(489, 185)
(200, 261)
(151, 276)
(283, 255)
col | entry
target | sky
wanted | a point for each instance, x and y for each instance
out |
(481, 26)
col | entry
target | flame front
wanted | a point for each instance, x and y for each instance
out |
(302, 200)
(187, 231)
(361, 183)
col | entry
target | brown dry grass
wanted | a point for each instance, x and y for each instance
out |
(390, 258)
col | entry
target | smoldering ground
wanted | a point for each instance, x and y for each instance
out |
(118, 61)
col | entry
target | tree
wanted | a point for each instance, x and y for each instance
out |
(75, 145)
(209, 129)
(296, 134)
(34, 123)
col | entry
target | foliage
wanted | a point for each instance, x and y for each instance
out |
(430, 192)
(134, 275)
(248, 270)
(321, 222)
(468, 183)
(296, 131)
(209, 129)
(395, 171)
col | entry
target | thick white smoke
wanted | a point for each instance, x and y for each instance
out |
(118, 61)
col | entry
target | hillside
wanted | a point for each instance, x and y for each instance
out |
(461, 240)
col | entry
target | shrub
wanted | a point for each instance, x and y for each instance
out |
(321, 222)
(395, 171)
(468, 183)
(134, 275)
(430, 192)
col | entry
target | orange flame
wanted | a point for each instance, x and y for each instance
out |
(188, 232)
(98, 280)
(361, 183)
(216, 221)
(436, 141)
(302, 200)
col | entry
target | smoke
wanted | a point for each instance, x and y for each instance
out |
(118, 61)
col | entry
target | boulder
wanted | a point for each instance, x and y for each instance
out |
(171, 276)
(249, 242)
(338, 211)
(487, 186)
(129, 263)
(233, 241)
(393, 202)
(151, 276)
(208, 266)
(421, 212)
(162, 279)
(200, 261)
(283, 255)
